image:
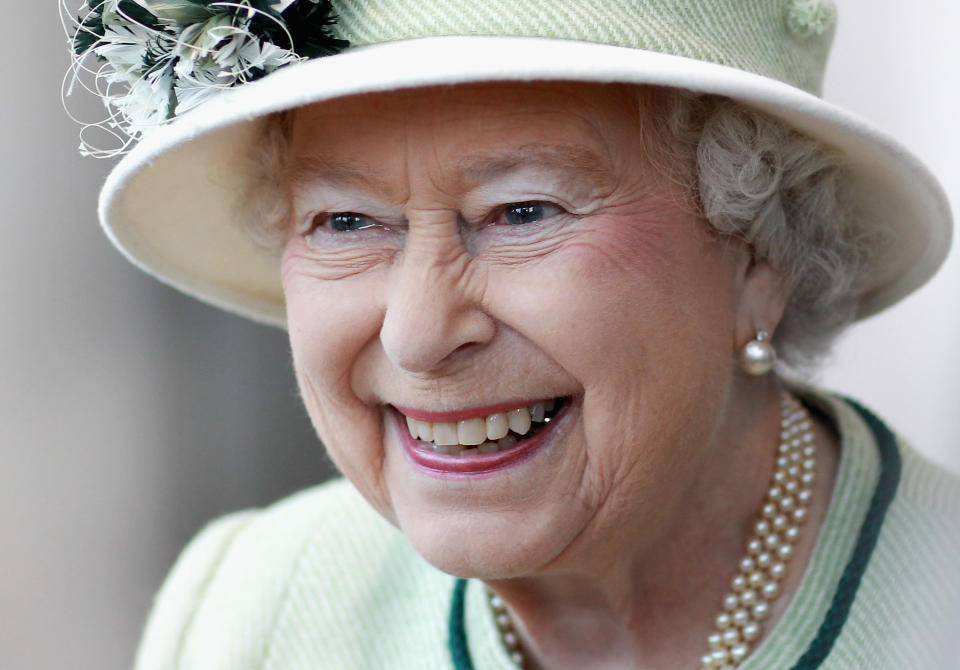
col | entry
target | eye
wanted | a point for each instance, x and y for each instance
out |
(534, 211)
(343, 222)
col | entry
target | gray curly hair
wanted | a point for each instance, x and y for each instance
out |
(751, 177)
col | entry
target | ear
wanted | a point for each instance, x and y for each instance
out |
(763, 297)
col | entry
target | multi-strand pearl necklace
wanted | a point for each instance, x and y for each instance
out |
(757, 583)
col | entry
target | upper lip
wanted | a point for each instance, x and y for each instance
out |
(451, 416)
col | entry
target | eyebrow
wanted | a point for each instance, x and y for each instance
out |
(469, 170)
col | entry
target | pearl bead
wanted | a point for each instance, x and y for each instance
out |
(775, 493)
(800, 514)
(751, 631)
(788, 503)
(809, 464)
(755, 580)
(794, 471)
(747, 564)
(772, 541)
(783, 462)
(764, 559)
(762, 527)
(778, 570)
(779, 522)
(769, 510)
(805, 496)
(517, 658)
(739, 652)
(731, 636)
(715, 640)
(720, 656)
(730, 602)
(785, 551)
(791, 486)
(796, 456)
(755, 545)
(706, 662)
(722, 621)
(503, 621)
(809, 450)
(740, 617)
(748, 598)
(738, 583)
(510, 638)
(757, 357)
(761, 611)
(771, 590)
(791, 534)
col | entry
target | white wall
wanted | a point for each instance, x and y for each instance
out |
(128, 414)
(897, 63)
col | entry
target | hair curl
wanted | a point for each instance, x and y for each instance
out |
(751, 177)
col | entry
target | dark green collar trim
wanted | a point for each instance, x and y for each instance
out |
(459, 650)
(890, 467)
(819, 649)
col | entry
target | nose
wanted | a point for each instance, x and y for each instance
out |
(434, 311)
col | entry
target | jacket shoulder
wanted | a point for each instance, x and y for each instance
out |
(295, 578)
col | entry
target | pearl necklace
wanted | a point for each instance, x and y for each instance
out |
(757, 583)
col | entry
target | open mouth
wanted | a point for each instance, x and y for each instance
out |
(489, 434)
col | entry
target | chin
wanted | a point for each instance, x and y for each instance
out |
(501, 546)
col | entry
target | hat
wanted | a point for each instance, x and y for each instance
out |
(199, 76)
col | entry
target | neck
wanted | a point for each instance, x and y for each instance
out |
(650, 602)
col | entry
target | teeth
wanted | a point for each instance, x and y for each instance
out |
(519, 420)
(425, 430)
(445, 434)
(472, 431)
(483, 435)
(488, 448)
(497, 426)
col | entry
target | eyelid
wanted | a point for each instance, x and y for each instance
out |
(501, 210)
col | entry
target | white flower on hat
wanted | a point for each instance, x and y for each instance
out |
(161, 58)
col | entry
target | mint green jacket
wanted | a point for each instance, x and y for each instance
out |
(320, 581)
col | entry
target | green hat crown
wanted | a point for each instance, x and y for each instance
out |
(786, 40)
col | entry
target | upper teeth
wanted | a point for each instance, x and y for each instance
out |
(480, 430)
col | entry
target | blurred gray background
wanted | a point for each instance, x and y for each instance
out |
(130, 415)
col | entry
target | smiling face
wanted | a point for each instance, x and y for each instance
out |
(461, 253)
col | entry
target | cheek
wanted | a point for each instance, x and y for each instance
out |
(642, 316)
(331, 324)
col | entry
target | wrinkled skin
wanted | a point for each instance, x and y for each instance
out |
(617, 295)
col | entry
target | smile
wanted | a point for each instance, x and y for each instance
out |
(486, 434)
(470, 442)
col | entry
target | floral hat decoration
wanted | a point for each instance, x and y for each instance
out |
(187, 85)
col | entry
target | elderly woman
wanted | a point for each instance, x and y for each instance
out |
(535, 260)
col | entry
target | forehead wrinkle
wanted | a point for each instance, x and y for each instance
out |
(305, 171)
(572, 158)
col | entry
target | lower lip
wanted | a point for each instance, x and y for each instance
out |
(478, 464)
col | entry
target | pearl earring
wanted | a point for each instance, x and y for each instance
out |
(758, 355)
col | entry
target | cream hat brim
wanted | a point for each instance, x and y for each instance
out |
(171, 204)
